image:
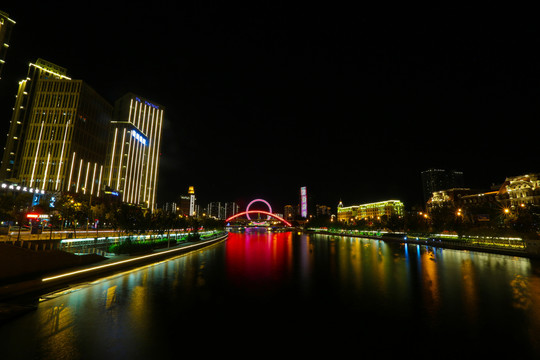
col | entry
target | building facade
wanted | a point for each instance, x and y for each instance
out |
(221, 210)
(55, 141)
(370, 211)
(64, 137)
(134, 144)
(520, 190)
(6, 27)
(439, 179)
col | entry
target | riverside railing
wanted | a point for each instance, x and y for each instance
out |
(498, 242)
(101, 245)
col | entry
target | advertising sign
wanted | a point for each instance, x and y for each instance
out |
(303, 202)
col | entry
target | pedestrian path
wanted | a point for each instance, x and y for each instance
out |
(110, 265)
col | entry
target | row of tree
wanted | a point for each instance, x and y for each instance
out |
(80, 212)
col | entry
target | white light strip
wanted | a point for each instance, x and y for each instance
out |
(86, 177)
(37, 152)
(61, 157)
(71, 171)
(93, 180)
(79, 176)
(128, 167)
(149, 157)
(157, 161)
(112, 156)
(99, 182)
(120, 170)
(46, 170)
(127, 261)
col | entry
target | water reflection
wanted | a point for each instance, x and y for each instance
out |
(334, 289)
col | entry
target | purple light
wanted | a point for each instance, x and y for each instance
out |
(258, 200)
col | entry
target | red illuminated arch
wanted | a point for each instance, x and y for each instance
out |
(259, 212)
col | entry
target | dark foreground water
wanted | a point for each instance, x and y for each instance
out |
(260, 295)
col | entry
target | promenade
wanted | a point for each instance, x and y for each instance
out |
(68, 277)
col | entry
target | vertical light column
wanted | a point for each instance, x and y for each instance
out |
(156, 160)
(61, 157)
(99, 182)
(71, 171)
(149, 156)
(93, 180)
(120, 171)
(46, 170)
(37, 153)
(79, 176)
(113, 153)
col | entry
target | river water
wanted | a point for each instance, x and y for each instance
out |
(264, 294)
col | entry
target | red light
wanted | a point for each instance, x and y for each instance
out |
(259, 212)
(32, 216)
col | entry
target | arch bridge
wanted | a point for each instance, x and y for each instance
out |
(262, 212)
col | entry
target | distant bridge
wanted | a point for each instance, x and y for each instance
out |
(262, 212)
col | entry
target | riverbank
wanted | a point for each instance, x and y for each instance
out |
(437, 242)
(62, 278)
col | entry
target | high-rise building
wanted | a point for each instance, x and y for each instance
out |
(231, 208)
(222, 211)
(55, 141)
(6, 27)
(134, 146)
(289, 212)
(64, 137)
(439, 179)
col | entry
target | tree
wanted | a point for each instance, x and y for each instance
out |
(73, 210)
(130, 219)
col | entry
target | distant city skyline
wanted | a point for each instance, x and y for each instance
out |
(287, 100)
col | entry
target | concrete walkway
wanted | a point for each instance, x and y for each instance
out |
(64, 278)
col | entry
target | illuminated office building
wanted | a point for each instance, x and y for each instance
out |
(370, 211)
(440, 179)
(6, 26)
(133, 155)
(55, 141)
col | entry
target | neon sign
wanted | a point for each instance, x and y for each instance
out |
(139, 137)
(147, 103)
(37, 216)
(303, 202)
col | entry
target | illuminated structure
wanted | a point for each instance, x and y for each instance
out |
(520, 190)
(370, 211)
(6, 26)
(133, 156)
(55, 141)
(269, 214)
(289, 212)
(191, 192)
(258, 200)
(222, 211)
(439, 179)
(303, 202)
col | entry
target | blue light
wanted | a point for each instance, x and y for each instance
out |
(139, 137)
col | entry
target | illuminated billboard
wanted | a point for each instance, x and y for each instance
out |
(303, 202)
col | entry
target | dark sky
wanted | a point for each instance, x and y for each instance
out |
(264, 98)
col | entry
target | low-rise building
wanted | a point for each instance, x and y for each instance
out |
(370, 211)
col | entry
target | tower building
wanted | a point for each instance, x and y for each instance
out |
(55, 141)
(6, 26)
(134, 144)
(440, 179)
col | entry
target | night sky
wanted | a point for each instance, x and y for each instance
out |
(262, 99)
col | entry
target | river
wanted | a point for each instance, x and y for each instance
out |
(261, 294)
